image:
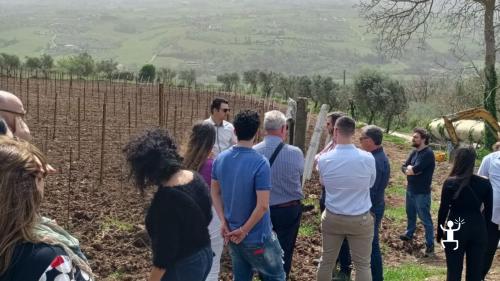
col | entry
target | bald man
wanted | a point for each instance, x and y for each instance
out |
(12, 111)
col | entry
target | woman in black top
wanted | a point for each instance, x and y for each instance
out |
(180, 211)
(32, 247)
(461, 225)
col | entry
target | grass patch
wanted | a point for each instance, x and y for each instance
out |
(395, 213)
(118, 224)
(117, 275)
(395, 140)
(396, 190)
(307, 230)
(311, 201)
(413, 272)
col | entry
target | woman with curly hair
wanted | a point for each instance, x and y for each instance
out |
(180, 211)
(199, 157)
(32, 247)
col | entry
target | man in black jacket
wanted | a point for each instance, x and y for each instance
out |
(419, 168)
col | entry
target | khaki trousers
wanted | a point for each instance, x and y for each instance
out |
(358, 230)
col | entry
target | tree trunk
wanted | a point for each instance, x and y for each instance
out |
(372, 116)
(489, 69)
(388, 124)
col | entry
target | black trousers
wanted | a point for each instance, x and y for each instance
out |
(286, 223)
(471, 239)
(491, 247)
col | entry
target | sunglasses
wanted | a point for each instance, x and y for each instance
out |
(226, 110)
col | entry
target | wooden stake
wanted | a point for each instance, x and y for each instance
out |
(79, 129)
(68, 199)
(103, 138)
(55, 116)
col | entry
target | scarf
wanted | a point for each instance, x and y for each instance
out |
(51, 233)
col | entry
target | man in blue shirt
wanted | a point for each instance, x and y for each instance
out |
(241, 184)
(371, 141)
(287, 167)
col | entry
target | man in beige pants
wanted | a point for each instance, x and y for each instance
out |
(347, 173)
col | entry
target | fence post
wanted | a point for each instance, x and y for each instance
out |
(160, 104)
(301, 124)
(314, 143)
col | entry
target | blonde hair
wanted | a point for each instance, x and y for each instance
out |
(19, 197)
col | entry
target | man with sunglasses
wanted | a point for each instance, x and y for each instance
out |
(225, 137)
(12, 112)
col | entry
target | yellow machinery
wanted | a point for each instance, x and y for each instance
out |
(474, 114)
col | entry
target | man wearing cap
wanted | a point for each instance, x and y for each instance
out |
(12, 112)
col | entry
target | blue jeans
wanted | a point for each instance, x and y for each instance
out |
(286, 223)
(265, 258)
(376, 256)
(419, 204)
(193, 268)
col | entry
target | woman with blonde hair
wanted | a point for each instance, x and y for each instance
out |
(199, 158)
(32, 247)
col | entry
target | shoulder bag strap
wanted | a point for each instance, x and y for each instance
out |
(275, 153)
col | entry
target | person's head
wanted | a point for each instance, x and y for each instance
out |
(246, 124)
(219, 109)
(420, 138)
(496, 146)
(12, 111)
(152, 158)
(4, 129)
(201, 142)
(371, 137)
(22, 172)
(331, 118)
(344, 129)
(275, 123)
(463, 164)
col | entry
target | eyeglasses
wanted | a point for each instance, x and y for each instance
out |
(226, 110)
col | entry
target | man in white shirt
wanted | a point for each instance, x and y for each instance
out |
(347, 173)
(225, 137)
(490, 168)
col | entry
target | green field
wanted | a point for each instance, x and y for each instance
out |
(294, 37)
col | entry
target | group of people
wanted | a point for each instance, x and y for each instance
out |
(226, 191)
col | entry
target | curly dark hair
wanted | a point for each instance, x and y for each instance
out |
(246, 123)
(423, 134)
(152, 158)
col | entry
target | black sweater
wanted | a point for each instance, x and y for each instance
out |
(423, 163)
(177, 222)
(467, 206)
